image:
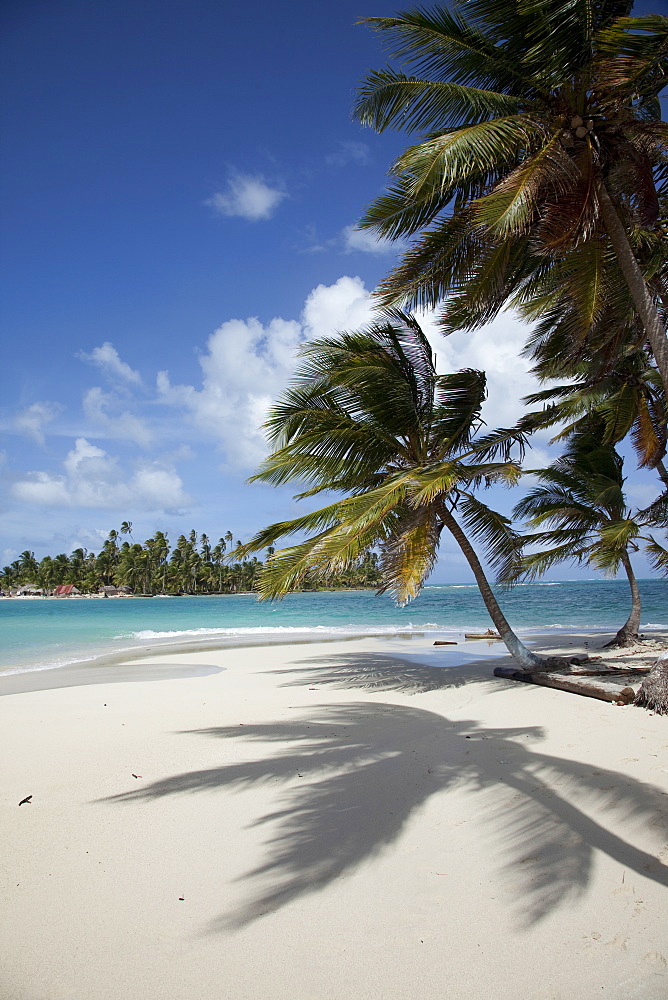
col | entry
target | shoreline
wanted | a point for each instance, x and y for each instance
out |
(222, 593)
(94, 668)
(332, 819)
(37, 634)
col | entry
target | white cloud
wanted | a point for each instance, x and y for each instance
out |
(34, 419)
(494, 349)
(244, 369)
(93, 478)
(125, 426)
(364, 241)
(107, 359)
(345, 305)
(247, 365)
(247, 196)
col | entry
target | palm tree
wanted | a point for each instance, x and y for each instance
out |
(78, 565)
(63, 569)
(180, 561)
(368, 416)
(581, 500)
(161, 551)
(28, 564)
(218, 561)
(132, 566)
(626, 399)
(540, 143)
(126, 528)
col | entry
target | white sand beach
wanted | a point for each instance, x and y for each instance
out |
(330, 821)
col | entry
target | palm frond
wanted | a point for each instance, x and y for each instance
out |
(443, 163)
(447, 45)
(316, 520)
(492, 529)
(389, 99)
(658, 556)
(458, 400)
(533, 565)
(514, 203)
(326, 554)
(617, 535)
(409, 554)
(396, 214)
(648, 433)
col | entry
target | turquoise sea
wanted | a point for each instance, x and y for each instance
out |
(38, 633)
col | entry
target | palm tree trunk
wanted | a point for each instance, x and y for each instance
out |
(628, 633)
(643, 301)
(526, 659)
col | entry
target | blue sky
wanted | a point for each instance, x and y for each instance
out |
(181, 183)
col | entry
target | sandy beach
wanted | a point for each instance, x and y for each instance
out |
(325, 821)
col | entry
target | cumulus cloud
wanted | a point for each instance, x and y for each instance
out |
(245, 366)
(248, 197)
(345, 305)
(365, 242)
(248, 364)
(107, 359)
(93, 478)
(124, 426)
(496, 350)
(34, 419)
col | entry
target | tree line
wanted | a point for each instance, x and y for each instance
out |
(194, 565)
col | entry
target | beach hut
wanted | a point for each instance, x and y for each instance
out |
(109, 591)
(66, 590)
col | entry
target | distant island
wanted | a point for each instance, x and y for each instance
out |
(194, 566)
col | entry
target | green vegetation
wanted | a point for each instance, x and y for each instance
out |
(193, 566)
(368, 415)
(538, 180)
(538, 175)
(581, 501)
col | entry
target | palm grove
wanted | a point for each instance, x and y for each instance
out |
(194, 565)
(536, 180)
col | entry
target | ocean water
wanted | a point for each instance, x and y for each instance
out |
(38, 633)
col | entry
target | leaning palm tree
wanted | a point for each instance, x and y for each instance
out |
(580, 499)
(540, 143)
(367, 416)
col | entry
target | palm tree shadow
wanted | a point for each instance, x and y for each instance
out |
(352, 775)
(380, 672)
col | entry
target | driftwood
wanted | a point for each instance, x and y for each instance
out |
(618, 686)
(444, 642)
